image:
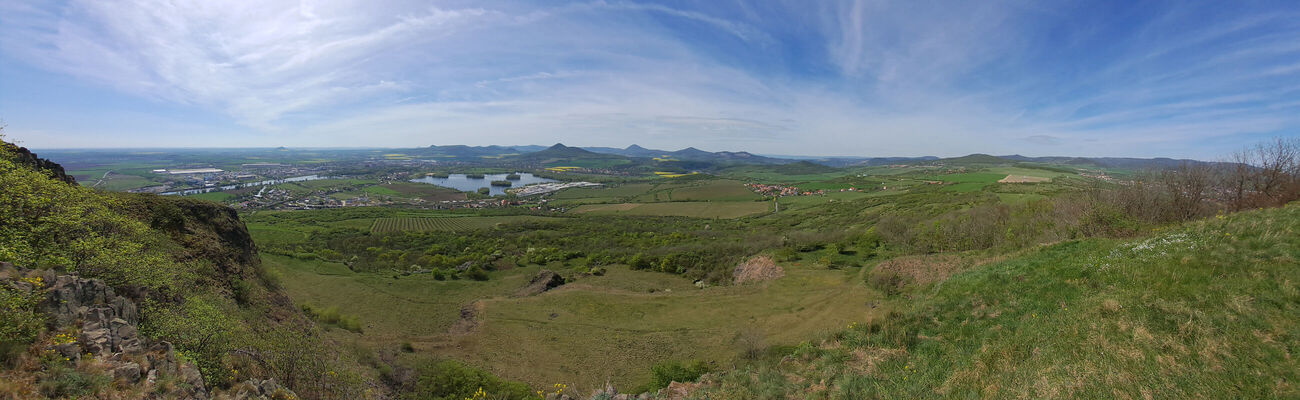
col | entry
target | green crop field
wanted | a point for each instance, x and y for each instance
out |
(970, 177)
(387, 225)
(613, 192)
(699, 209)
(716, 190)
(213, 196)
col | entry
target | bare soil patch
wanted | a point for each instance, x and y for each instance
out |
(468, 323)
(1023, 179)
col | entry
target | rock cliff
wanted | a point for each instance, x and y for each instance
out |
(96, 330)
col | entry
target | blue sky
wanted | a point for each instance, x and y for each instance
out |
(861, 78)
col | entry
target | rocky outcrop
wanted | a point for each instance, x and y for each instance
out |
(545, 280)
(27, 157)
(107, 331)
(261, 390)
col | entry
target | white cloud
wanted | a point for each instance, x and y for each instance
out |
(255, 60)
(888, 78)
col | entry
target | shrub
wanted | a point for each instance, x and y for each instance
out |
(241, 291)
(19, 319)
(888, 282)
(445, 380)
(476, 273)
(63, 382)
(673, 371)
(332, 316)
(199, 327)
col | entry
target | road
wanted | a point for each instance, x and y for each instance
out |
(102, 178)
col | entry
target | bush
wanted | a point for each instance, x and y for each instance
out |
(332, 316)
(64, 382)
(446, 380)
(673, 371)
(199, 327)
(19, 320)
(241, 291)
(888, 282)
(476, 273)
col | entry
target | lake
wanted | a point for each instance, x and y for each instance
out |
(465, 184)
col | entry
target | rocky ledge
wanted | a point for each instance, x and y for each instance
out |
(107, 332)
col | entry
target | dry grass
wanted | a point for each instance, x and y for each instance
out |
(923, 270)
(757, 269)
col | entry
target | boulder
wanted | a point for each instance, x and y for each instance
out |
(127, 372)
(544, 280)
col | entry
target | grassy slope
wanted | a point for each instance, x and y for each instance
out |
(603, 327)
(1208, 309)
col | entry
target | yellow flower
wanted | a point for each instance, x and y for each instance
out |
(35, 281)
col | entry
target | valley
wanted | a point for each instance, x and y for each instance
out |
(618, 275)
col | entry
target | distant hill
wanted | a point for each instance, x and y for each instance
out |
(794, 168)
(861, 161)
(1110, 162)
(559, 153)
(690, 154)
(629, 151)
(803, 168)
(463, 151)
(559, 150)
(974, 159)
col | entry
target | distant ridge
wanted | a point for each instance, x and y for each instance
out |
(560, 151)
(690, 154)
(1110, 162)
(976, 158)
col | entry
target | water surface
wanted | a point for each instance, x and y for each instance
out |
(465, 184)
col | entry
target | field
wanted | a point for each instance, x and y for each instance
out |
(717, 190)
(975, 181)
(618, 324)
(1023, 179)
(403, 190)
(305, 187)
(699, 209)
(386, 225)
(113, 179)
(213, 196)
(605, 193)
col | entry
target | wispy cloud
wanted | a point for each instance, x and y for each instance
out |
(842, 77)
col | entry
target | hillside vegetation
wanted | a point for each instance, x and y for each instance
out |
(189, 265)
(1200, 310)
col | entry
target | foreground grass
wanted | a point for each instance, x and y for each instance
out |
(1206, 310)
